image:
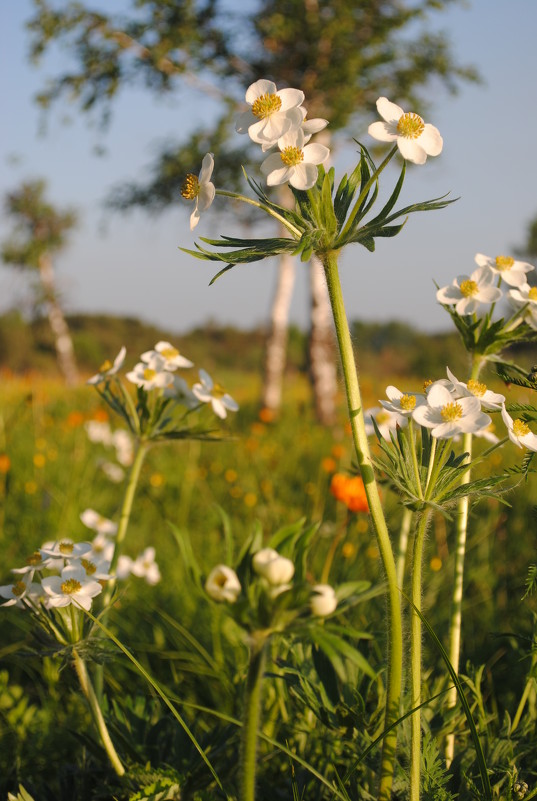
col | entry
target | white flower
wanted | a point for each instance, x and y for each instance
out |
(72, 587)
(468, 292)
(19, 590)
(386, 420)
(108, 369)
(200, 189)
(487, 398)
(150, 374)
(144, 566)
(172, 358)
(447, 416)
(209, 392)
(511, 271)
(415, 139)
(401, 403)
(98, 523)
(488, 434)
(223, 584)
(181, 393)
(311, 127)
(274, 568)
(323, 602)
(519, 432)
(122, 442)
(113, 471)
(98, 431)
(38, 561)
(65, 549)
(96, 569)
(124, 567)
(272, 114)
(296, 163)
(101, 549)
(525, 295)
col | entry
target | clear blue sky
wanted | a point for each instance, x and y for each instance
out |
(132, 265)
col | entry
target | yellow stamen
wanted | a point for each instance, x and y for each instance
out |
(149, 373)
(34, 559)
(504, 262)
(88, 566)
(292, 156)
(19, 588)
(520, 428)
(476, 388)
(66, 547)
(427, 383)
(410, 125)
(266, 105)
(70, 586)
(468, 288)
(451, 411)
(105, 366)
(191, 187)
(382, 417)
(532, 294)
(218, 391)
(169, 353)
(408, 402)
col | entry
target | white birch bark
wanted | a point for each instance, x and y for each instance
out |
(62, 338)
(322, 365)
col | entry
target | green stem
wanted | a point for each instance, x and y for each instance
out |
(458, 579)
(402, 546)
(251, 718)
(290, 227)
(356, 415)
(89, 692)
(415, 658)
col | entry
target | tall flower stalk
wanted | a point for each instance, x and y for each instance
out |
(252, 716)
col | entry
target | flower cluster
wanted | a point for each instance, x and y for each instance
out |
(274, 572)
(350, 491)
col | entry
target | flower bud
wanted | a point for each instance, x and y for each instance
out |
(323, 602)
(222, 584)
(274, 568)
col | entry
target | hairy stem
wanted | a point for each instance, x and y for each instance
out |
(251, 719)
(356, 415)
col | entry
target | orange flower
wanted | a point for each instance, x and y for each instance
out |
(5, 463)
(75, 419)
(266, 415)
(350, 491)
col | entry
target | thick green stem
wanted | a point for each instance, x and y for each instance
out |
(415, 658)
(356, 414)
(251, 719)
(402, 546)
(89, 692)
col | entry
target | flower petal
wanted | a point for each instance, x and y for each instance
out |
(291, 98)
(382, 131)
(411, 150)
(389, 111)
(259, 88)
(431, 140)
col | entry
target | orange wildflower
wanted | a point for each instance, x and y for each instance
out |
(5, 463)
(350, 491)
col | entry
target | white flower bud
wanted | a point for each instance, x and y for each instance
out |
(323, 602)
(223, 584)
(274, 568)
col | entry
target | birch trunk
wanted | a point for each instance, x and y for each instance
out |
(62, 338)
(322, 364)
(276, 347)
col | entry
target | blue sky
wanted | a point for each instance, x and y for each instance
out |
(132, 265)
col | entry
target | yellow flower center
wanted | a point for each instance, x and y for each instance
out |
(427, 383)
(410, 125)
(34, 559)
(504, 262)
(66, 548)
(149, 373)
(191, 187)
(408, 402)
(468, 288)
(532, 294)
(18, 588)
(266, 105)
(451, 411)
(169, 353)
(218, 391)
(476, 388)
(88, 566)
(71, 586)
(105, 366)
(292, 156)
(382, 417)
(220, 580)
(520, 428)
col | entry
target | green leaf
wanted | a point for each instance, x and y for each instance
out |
(328, 215)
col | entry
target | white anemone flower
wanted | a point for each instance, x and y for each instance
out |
(511, 271)
(38, 561)
(487, 398)
(207, 391)
(323, 601)
(447, 416)
(385, 419)
(271, 566)
(296, 163)
(65, 549)
(96, 569)
(72, 587)
(469, 292)
(223, 584)
(112, 471)
(415, 139)
(173, 359)
(519, 432)
(181, 393)
(200, 188)
(99, 431)
(19, 590)
(313, 126)
(272, 114)
(525, 296)
(98, 523)
(122, 442)
(150, 374)
(402, 403)
(144, 566)
(109, 369)
(102, 549)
